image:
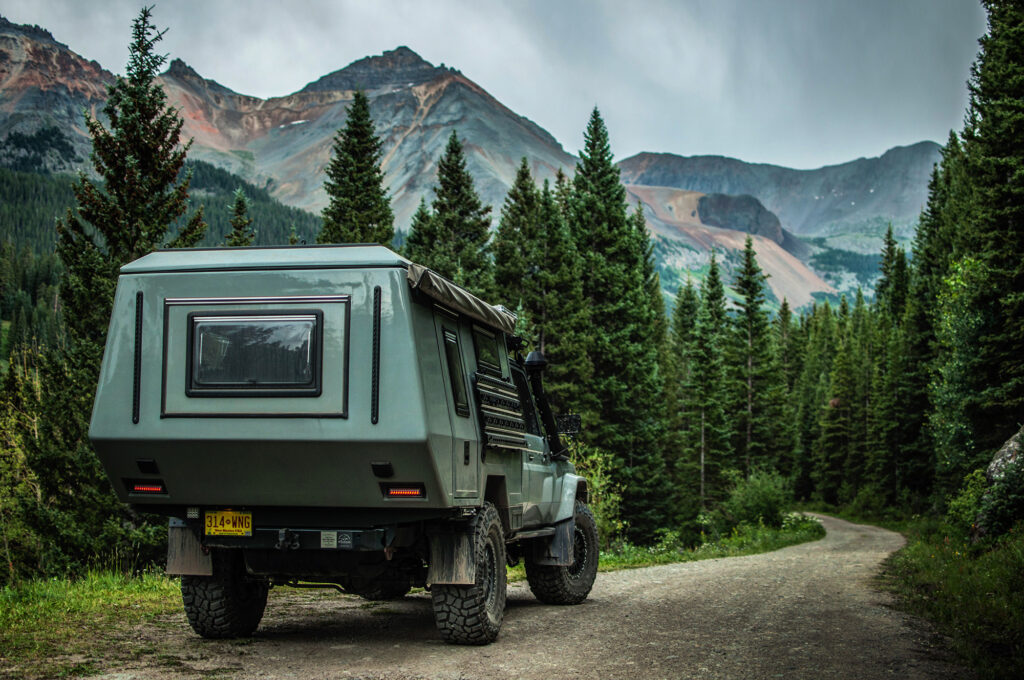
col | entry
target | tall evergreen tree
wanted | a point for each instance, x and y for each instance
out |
(708, 431)
(755, 382)
(461, 247)
(623, 351)
(139, 159)
(240, 234)
(516, 254)
(423, 235)
(538, 273)
(358, 209)
(994, 147)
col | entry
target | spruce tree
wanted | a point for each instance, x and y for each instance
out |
(562, 321)
(538, 273)
(751, 359)
(240, 234)
(994, 147)
(707, 428)
(679, 420)
(139, 160)
(624, 349)
(516, 270)
(461, 248)
(358, 209)
(420, 244)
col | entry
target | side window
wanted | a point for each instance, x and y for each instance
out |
(488, 359)
(455, 372)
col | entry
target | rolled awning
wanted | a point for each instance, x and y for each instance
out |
(457, 298)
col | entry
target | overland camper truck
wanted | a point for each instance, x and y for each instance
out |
(336, 416)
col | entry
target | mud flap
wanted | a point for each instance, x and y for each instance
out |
(451, 559)
(185, 556)
(556, 550)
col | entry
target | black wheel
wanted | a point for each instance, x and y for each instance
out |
(472, 615)
(572, 584)
(228, 604)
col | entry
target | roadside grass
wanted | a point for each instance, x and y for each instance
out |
(62, 628)
(974, 595)
(57, 627)
(745, 539)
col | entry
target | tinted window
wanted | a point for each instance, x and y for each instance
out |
(259, 354)
(487, 357)
(455, 373)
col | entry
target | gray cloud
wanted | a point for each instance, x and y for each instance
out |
(794, 82)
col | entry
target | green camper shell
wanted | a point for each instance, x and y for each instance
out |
(372, 375)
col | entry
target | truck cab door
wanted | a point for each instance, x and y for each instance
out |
(465, 445)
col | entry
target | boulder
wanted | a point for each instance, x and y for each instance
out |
(1010, 452)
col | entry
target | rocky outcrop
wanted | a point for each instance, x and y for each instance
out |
(744, 213)
(1009, 454)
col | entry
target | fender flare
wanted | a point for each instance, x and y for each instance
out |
(574, 488)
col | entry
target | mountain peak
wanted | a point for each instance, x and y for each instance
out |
(36, 32)
(400, 66)
(179, 69)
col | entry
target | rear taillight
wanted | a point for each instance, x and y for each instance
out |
(146, 487)
(403, 490)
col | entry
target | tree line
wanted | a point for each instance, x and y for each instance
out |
(882, 405)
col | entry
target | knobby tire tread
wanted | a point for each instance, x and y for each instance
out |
(557, 585)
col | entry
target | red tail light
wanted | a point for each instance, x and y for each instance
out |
(404, 490)
(146, 486)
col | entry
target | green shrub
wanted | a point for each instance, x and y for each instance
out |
(963, 509)
(761, 497)
(605, 496)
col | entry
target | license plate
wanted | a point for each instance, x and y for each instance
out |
(228, 523)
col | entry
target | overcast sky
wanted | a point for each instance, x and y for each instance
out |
(801, 83)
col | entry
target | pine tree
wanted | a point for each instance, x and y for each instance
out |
(517, 240)
(624, 351)
(359, 210)
(461, 247)
(812, 393)
(562, 321)
(420, 244)
(678, 371)
(833, 447)
(240, 234)
(751, 358)
(707, 430)
(139, 158)
(994, 147)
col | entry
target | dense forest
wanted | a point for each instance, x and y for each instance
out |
(881, 406)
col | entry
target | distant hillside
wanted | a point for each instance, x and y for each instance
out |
(30, 202)
(837, 199)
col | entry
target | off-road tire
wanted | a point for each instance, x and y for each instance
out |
(228, 604)
(472, 614)
(572, 584)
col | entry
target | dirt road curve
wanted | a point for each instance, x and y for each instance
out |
(809, 611)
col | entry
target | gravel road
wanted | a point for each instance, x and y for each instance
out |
(809, 611)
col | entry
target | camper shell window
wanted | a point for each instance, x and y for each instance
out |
(255, 354)
(453, 354)
(488, 357)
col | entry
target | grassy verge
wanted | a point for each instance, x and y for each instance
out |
(56, 628)
(745, 539)
(973, 595)
(60, 628)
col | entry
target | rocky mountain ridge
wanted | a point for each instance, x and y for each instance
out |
(283, 144)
